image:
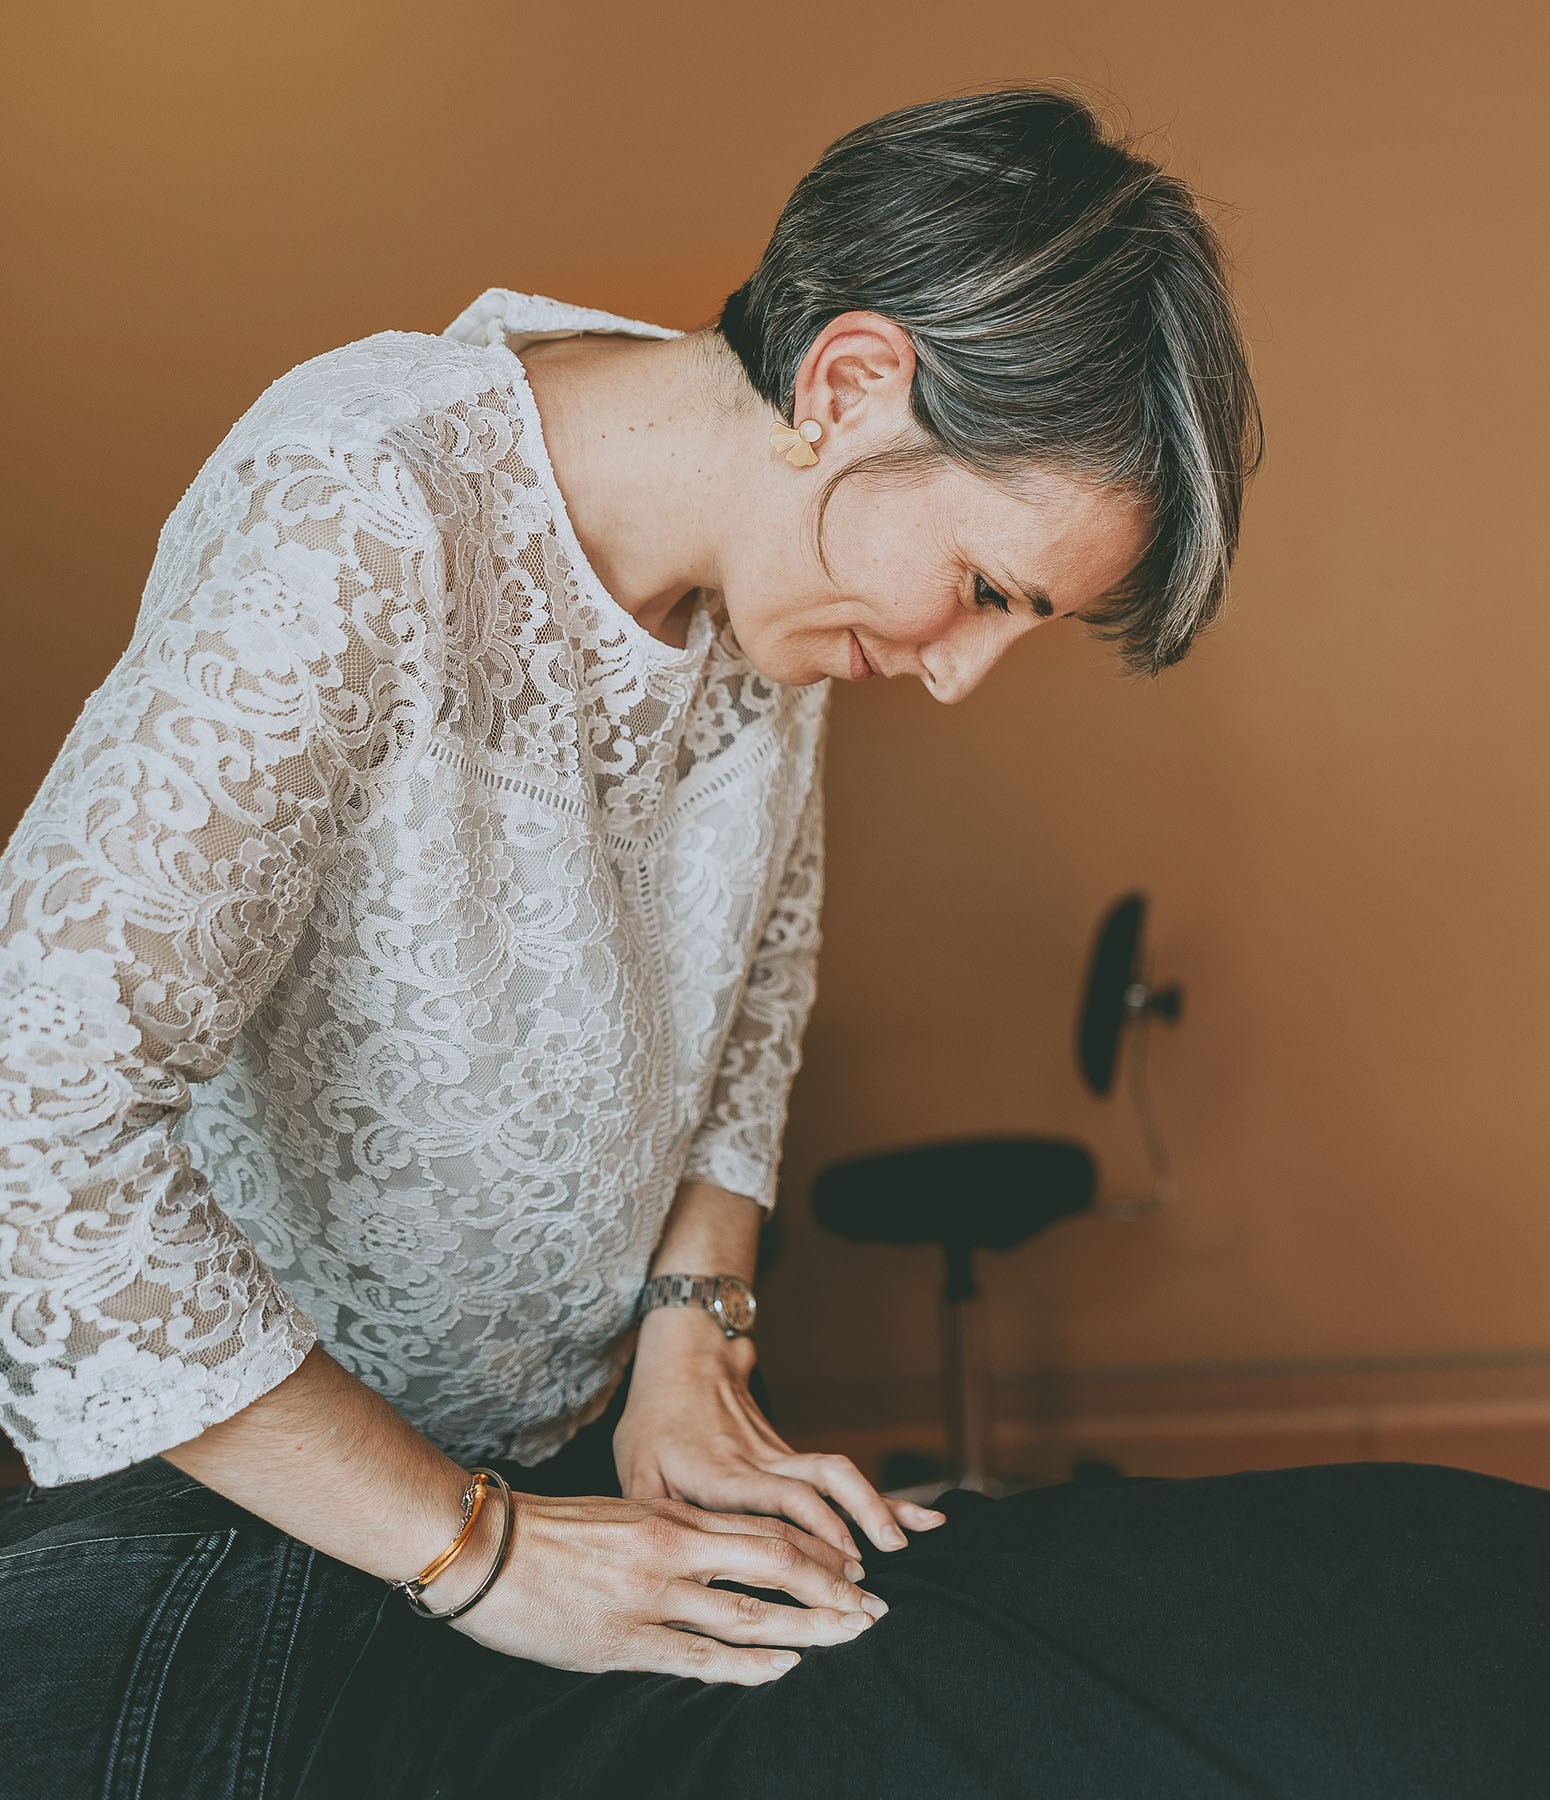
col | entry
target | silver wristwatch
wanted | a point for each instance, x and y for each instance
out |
(727, 1298)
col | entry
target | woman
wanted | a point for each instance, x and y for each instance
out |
(408, 956)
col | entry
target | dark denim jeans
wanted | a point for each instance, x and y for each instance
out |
(158, 1642)
(1356, 1632)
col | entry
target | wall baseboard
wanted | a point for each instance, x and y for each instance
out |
(1488, 1414)
(1491, 1414)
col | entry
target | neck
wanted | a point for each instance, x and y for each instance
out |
(647, 437)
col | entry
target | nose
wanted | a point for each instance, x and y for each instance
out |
(955, 664)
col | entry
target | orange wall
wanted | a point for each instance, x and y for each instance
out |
(1337, 802)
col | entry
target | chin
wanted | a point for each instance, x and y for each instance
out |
(781, 670)
(775, 657)
(803, 677)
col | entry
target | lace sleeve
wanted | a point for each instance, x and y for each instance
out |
(278, 675)
(738, 1144)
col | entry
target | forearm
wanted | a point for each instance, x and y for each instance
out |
(329, 1461)
(709, 1231)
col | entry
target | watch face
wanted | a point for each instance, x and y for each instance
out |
(735, 1301)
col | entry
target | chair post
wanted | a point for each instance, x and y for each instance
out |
(964, 1373)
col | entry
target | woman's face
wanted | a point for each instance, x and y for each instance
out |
(916, 570)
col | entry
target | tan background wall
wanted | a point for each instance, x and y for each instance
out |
(1337, 802)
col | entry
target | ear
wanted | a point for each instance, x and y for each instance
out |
(859, 363)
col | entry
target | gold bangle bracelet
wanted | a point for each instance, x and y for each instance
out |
(411, 1589)
(473, 1499)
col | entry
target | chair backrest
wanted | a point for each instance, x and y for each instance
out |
(1114, 965)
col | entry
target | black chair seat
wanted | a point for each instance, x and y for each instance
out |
(965, 1193)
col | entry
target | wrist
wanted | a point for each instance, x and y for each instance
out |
(727, 1298)
(468, 1569)
(689, 1338)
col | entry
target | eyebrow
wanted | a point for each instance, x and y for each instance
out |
(1036, 598)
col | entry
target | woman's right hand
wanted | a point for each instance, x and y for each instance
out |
(594, 1583)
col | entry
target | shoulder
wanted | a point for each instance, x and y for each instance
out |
(390, 419)
(375, 386)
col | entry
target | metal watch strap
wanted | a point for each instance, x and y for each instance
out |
(679, 1289)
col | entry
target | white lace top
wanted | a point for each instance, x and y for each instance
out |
(398, 926)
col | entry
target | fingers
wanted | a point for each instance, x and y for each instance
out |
(668, 1652)
(880, 1519)
(766, 1553)
(916, 1517)
(746, 1619)
(821, 1549)
(846, 1482)
(796, 1500)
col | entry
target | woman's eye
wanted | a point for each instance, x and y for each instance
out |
(986, 595)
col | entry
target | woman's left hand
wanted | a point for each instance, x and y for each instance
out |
(691, 1430)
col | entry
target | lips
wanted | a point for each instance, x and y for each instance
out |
(860, 668)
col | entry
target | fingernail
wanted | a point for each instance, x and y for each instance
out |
(785, 1659)
(874, 1605)
(936, 1518)
(895, 1540)
(854, 1571)
(856, 1621)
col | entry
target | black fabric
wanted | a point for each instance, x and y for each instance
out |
(1357, 1632)
(1365, 1630)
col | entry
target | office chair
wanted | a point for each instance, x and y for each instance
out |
(994, 1193)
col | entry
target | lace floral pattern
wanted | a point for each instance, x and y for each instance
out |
(397, 927)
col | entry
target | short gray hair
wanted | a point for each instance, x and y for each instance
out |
(1068, 306)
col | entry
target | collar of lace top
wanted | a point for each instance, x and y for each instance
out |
(510, 320)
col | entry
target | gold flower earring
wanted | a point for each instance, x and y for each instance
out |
(796, 446)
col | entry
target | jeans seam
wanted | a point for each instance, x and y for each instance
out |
(273, 1662)
(303, 1774)
(133, 1729)
(285, 1666)
(111, 1537)
(188, 1487)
